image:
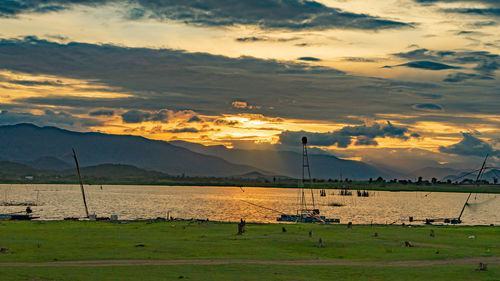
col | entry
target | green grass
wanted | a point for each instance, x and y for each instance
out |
(48, 241)
(67, 241)
(250, 272)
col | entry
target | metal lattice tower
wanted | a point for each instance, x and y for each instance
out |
(305, 166)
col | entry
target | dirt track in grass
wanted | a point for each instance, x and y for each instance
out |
(91, 263)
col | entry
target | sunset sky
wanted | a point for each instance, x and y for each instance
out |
(400, 83)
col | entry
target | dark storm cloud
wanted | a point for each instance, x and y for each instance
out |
(155, 79)
(135, 116)
(422, 54)
(490, 2)
(316, 139)
(183, 130)
(360, 59)
(36, 83)
(461, 76)
(47, 118)
(428, 65)
(102, 112)
(251, 39)
(224, 122)
(428, 107)
(481, 24)
(365, 141)
(475, 11)
(309, 59)
(486, 63)
(194, 119)
(365, 135)
(12, 8)
(469, 32)
(267, 14)
(470, 146)
(492, 7)
(138, 116)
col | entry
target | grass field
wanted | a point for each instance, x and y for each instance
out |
(264, 252)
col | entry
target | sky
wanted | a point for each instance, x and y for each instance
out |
(402, 84)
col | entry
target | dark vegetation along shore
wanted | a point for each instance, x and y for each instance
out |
(193, 250)
(15, 173)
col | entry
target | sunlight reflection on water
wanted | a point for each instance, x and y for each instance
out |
(225, 203)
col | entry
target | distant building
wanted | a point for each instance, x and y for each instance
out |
(30, 178)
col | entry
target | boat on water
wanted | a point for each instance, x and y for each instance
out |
(307, 218)
(17, 217)
(306, 214)
(458, 220)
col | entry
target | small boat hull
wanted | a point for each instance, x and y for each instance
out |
(306, 218)
(16, 217)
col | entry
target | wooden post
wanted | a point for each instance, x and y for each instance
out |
(81, 183)
(241, 227)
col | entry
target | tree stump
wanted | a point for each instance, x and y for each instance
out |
(241, 227)
(482, 267)
(320, 243)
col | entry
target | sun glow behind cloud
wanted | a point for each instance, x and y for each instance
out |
(212, 129)
(18, 85)
(436, 104)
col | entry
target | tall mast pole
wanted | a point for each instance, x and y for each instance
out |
(81, 182)
(477, 183)
(305, 165)
(303, 197)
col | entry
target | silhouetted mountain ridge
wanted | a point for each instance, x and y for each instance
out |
(289, 163)
(49, 163)
(26, 142)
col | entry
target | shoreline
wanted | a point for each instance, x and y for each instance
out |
(488, 189)
(205, 221)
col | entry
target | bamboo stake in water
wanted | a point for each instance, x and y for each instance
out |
(81, 183)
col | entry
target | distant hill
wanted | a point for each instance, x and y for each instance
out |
(49, 163)
(16, 169)
(432, 172)
(11, 171)
(489, 175)
(288, 163)
(253, 175)
(119, 172)
(115, 171)
(27, 143)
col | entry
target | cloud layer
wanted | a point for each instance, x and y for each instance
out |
(267, 14)
(365, 135)
(470, 146)
(485, 64)
(150, 80)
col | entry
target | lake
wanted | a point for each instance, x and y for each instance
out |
(251, 203)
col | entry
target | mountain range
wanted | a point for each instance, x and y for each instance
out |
(49, 148)
(30, 144)
(289, 163)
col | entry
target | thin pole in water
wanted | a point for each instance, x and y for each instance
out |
(477, 183)
(81, 182)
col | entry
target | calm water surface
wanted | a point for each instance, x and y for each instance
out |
(227, 203)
